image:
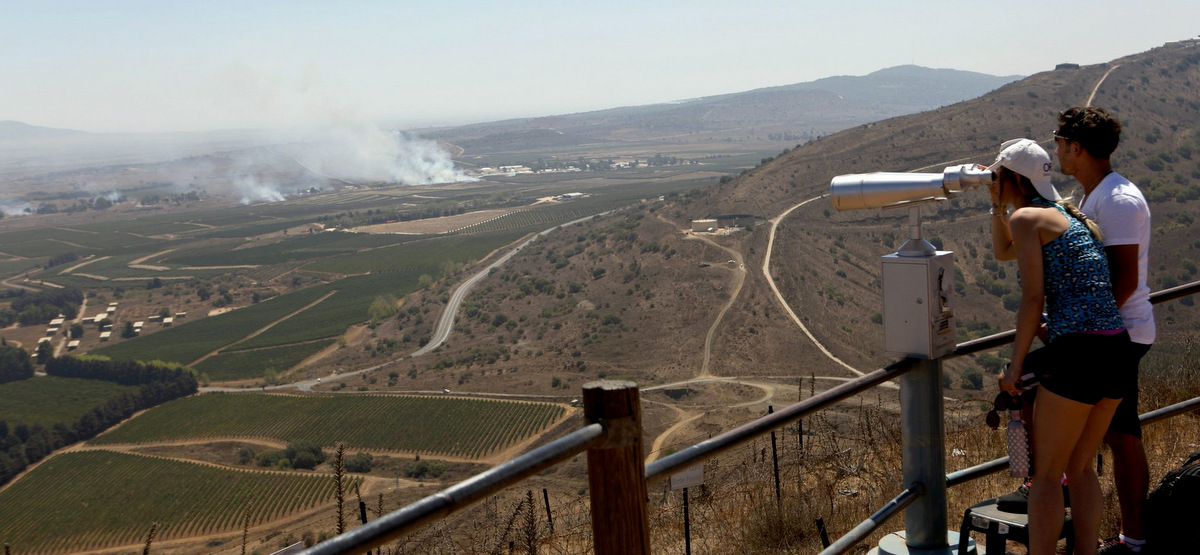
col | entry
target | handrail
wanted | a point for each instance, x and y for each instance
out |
(395, 524)
(873, 522)
(597, 434)
(996, 465)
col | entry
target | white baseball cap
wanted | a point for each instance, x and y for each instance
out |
(1029, 159)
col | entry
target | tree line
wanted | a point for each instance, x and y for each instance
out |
(158, 382)
(31, 309)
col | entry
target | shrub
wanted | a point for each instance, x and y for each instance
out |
(972, 379)
(360, 462)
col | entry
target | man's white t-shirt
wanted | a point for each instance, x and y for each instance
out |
(1123, 215)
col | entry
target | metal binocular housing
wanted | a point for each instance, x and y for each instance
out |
(892, 189)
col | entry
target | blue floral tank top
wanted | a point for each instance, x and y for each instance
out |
(1077, 284)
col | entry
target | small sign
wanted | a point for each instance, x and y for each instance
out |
(691, 476)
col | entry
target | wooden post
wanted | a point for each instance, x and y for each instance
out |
(616, 475)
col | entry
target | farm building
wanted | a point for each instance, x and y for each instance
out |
(57, 322)
(736, 220)
(138, 324)
(155, 318)
(181, 315)
(168, 321)
(43, 340)
(51, 331)
(111, 309)
(105, 335)
(73, 344)
(724, 222)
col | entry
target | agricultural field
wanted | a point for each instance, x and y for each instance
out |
(249, 364)
(50, 400)
(448, 427)
(90, 500)
(184, 344)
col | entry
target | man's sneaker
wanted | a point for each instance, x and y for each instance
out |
(1118, 547)
(1017, 502)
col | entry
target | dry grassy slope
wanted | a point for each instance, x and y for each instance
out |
(645, 317)
(1160, 150)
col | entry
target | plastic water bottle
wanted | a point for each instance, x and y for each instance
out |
(1020, 464)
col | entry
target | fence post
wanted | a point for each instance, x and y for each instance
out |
(616, 475)
(924, 450)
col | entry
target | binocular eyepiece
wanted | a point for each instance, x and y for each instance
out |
(888, 189)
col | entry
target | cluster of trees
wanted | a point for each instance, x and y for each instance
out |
(22, 445)
(176, 199)
(14, 364)
(62, 259)
(31, 309)
(305, 455)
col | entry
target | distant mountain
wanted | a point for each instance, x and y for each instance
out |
(794, 113)
(15, 130)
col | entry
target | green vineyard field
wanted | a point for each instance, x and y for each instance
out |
(91, 500)
(50, 400)
(468, 428)
(241, 365)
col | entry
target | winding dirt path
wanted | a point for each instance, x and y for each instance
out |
(739, 279)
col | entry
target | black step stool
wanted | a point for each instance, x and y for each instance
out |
(1001, 527)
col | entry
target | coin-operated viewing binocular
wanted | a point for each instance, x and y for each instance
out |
(918, 305)
(888, 189)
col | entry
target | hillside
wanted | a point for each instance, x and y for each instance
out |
(800, 111)
(659, 307)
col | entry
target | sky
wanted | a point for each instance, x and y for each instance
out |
(169, 65)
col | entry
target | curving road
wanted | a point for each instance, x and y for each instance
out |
(446, 321)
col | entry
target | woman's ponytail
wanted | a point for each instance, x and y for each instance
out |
(1078, 215)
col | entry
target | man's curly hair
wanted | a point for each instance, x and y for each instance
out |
(1097, 131)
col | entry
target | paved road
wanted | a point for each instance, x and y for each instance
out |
(446, 322)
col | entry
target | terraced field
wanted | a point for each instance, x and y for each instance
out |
(50, 400)
(91, 500)
(448, 427)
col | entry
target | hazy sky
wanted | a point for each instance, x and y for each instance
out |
(168, 65)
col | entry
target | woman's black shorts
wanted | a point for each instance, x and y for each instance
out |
(1086, 367)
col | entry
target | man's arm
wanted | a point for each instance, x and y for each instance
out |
(1123, 270)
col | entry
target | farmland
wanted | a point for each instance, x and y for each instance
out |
(90, 500)
(50, 400)
(184, 344)
(240, 365)
(467, 428)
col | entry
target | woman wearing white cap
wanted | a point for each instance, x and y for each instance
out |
(1062, 270)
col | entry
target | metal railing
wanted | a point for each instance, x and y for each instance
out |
(618, 480)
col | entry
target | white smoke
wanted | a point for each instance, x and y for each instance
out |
(11, 207)
(366, 153)
(252, 190)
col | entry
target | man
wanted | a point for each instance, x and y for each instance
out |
(1085, 139)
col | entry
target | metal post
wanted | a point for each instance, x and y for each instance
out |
(549, 519)
(924, 452)
(775, 460)
(687, 526)
(616, 475)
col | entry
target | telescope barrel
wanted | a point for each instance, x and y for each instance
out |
(881, 189)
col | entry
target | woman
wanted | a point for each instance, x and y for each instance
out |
(1063, 270)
